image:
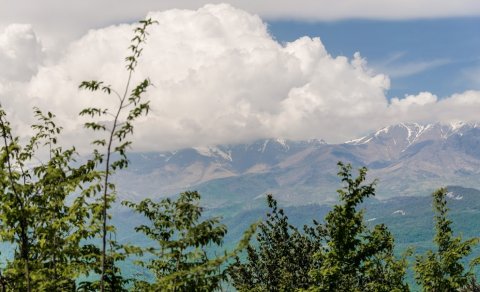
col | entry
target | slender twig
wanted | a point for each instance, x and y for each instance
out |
(105, 187)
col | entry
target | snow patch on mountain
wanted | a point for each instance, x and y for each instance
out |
(359, 141)
(457, 125)
(214, 152)
(282, 142)
(451, 195)
(168, 155)
(265, 143)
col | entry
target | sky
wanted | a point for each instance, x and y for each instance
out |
(244, 70)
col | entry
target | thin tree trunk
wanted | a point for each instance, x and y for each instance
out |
(105, 187)
(25, 255)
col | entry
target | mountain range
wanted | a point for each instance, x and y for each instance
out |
(408, 159)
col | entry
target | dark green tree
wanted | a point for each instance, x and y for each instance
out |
(471, 286)
(282, 257)
(180, 261)
(354, 257)
(341, 255)
(442, 270)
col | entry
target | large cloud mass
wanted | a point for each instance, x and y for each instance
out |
(66, 18)
(219, 77)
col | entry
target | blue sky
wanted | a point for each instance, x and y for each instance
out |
(436, 55)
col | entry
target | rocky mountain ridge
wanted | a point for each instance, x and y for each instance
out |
(408, 159)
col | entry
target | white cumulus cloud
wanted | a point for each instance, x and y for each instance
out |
(220, 77)
(20, 52)
(60, 20)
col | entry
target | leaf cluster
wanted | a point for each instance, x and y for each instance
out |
(282, 257)
(180, 261)
(443, 270)
(35, 218)
(340, 255)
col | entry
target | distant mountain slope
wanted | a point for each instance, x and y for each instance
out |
(408, 159)
(410, 219)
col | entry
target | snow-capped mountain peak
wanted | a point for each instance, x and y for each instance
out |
(408, 134)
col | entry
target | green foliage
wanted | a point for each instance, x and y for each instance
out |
(117, 125)
(180, 261)
(35, 218)
(443, 270)
(341, 255)
(283, 258)
(355, 258)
